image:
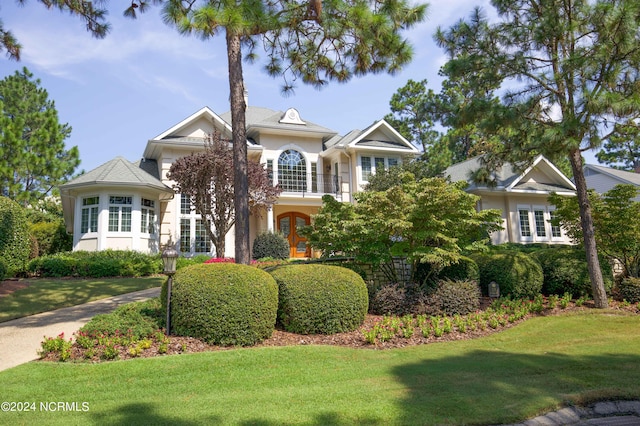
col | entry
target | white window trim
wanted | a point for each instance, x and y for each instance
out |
(531, 209)
(372, 158)
(120, 207)
(90, 232)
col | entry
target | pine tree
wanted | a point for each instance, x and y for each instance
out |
(569, 70)
(33, 156)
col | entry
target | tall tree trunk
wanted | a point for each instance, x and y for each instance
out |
(586, 221)
(240, 180)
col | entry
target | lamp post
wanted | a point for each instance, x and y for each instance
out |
(169, 259)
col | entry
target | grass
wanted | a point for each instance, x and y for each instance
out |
(507, 377)
(48, 294)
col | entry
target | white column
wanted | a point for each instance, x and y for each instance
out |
(270, 219)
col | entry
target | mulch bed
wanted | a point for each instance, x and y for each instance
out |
(9, 286)
(354, 339)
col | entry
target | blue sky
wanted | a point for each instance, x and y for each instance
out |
(144, 77)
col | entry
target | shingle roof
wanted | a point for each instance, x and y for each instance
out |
(629, 177)
(265, 117)
(509, 177)
(122, 172)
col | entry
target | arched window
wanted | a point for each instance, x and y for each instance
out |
(292, 171)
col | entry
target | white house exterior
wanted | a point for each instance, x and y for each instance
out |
(521, 197)
(125, 205)
(602, 179)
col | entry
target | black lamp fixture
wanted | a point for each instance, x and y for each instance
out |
(169, 260)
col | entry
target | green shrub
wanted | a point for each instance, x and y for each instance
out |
(270, 245)
(517, 274)
(456, 297)
(183, 262)
(52, 237)
(565, 271)
(3, 270)
(137, 319)
(99, 264)
(466, 269)
(223, 303)
(15, 244)
(629, 289)
(320, 299)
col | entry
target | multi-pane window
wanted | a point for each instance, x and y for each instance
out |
(203, 242)
(525, 228)
(292, 171)
(555, 229)
(89, 219)
(270, 171)
(365, 166)
(535, 223)
(185, 235)
(120, 213)
(369, 165)
(185, 204)
(314, 177)
(538, 217)
(148, 217)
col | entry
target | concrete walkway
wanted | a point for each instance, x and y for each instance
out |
(608, 413)
(20, 338)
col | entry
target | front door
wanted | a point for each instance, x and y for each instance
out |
(289, 224)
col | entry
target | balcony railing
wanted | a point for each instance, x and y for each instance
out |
(311, 184)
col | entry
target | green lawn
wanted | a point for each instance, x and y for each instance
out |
(47, 294)
(506, 377)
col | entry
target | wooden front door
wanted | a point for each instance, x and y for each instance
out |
(289, 224)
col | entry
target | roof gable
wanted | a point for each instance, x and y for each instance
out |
(620, 175)
(197, 125)
(540, 176)
(379, 136)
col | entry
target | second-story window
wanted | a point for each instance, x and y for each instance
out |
(369, 165)
(292, 171)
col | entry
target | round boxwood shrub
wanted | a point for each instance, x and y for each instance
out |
(629, 289)
(270, 245)
(15, 243)
(517, 274)
(320, 299)
(565, 271)
(223, 303)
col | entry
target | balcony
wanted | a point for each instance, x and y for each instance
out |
(310, 184)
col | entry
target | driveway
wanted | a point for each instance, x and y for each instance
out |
(20, 338)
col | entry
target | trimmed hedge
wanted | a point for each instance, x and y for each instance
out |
(630, 289)
(15, 243)
(565, 271)
(320, 299)
(223, 303)
(517, 274)
(270, 245)
(98, 264)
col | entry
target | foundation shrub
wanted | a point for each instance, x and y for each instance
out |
(391, 299)
(270, 245)
(99, 264)
(517, 274)
(565, 271)
(225, 304)
(629, 289)
(320, 299)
